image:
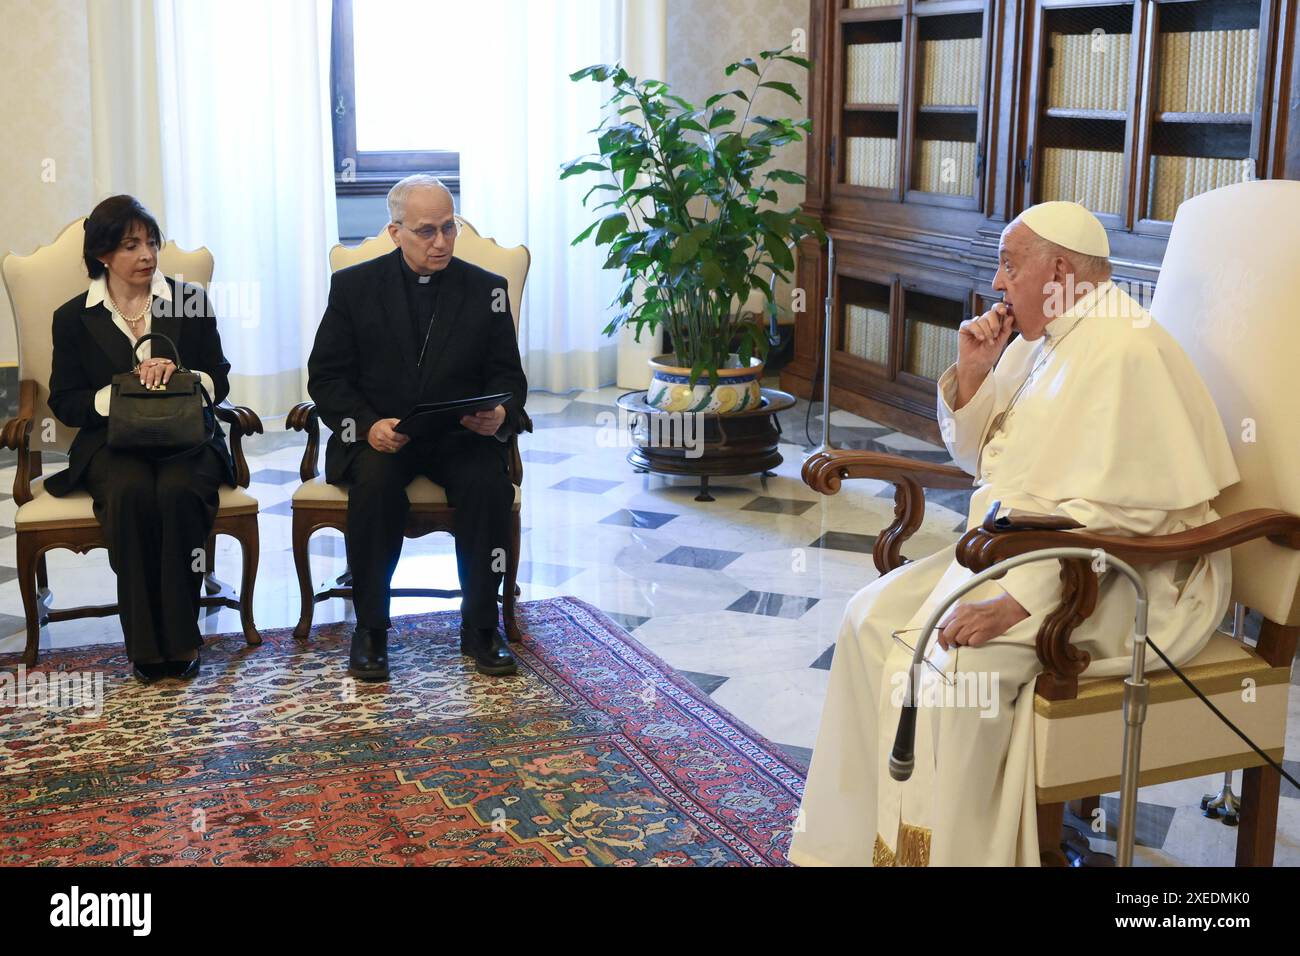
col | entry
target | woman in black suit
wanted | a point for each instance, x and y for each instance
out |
(156, 514)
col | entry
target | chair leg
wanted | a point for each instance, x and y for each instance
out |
(1257, 831)
(29, 563)
(302, 564)
(508, 586)
(250, 545)
(1051, 823)
(210, 582)
(43, 593)
(1085, 807)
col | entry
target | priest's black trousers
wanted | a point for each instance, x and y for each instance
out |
(472, 470)
(156, 517)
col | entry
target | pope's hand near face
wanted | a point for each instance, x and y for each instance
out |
(980, 342)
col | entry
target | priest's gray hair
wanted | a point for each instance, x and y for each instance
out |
(404, 187)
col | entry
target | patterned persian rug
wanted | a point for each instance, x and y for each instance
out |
(595, 754)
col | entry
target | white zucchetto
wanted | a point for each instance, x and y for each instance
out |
(1069, 225)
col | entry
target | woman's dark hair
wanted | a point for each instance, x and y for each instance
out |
(108, 223)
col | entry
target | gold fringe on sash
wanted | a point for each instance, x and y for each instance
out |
(881, 855)
(913, 848)
(913, 845)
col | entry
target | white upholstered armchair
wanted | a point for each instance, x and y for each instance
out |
(38, 284)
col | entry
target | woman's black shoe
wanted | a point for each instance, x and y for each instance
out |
(368, 659)
(148, 673)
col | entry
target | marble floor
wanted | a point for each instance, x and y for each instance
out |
(743, 594)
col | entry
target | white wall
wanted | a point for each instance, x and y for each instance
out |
(45, 164)
(706, 35)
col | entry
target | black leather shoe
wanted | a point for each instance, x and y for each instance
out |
(184, 670)
(148, 673)
(488, 648)
(368, 660)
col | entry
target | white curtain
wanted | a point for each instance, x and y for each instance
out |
(126, 143)
(510, 186)
(243, 88)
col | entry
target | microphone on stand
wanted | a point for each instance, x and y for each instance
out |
(902, 760)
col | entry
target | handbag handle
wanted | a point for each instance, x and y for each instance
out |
(180, 367)
(180, 363)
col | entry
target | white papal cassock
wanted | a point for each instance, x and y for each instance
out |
(1116, 430)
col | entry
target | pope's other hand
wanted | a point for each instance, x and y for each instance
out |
(977, 623)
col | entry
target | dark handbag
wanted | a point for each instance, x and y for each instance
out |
(174, 420)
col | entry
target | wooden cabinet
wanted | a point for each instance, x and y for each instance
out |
(937, 121)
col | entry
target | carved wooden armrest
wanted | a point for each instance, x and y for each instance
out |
(992, 541)
(303, 418)
(825, 470)
(17, 436)
(239, 418)
(243, 422)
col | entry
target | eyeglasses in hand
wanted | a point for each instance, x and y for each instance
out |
(949, 679)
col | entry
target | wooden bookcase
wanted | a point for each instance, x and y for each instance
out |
(937, 121)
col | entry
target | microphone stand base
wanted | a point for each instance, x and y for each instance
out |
(1224, 806)
(1079, 852)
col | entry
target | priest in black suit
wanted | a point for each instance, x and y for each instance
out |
(415, 326)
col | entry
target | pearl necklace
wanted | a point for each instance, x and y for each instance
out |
(133, 324)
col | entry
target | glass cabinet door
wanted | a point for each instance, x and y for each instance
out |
(910, 100)
(931, 315)
(1137, 107)
(869, 93)
(1202, 104)
(865, 322)
(946, 77)
(1084, 96)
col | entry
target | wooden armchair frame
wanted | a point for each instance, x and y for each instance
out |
(81, 535)
(311, 516)
(986, 544)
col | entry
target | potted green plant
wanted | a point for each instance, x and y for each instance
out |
(689, 214)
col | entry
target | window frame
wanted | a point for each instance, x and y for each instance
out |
(374, 171)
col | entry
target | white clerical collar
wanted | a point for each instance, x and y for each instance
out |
(98, 292)
(1063, 323)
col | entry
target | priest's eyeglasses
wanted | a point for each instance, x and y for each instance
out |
(949, 679)
(449, 229)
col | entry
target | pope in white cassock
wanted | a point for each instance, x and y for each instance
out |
(1093, 412)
